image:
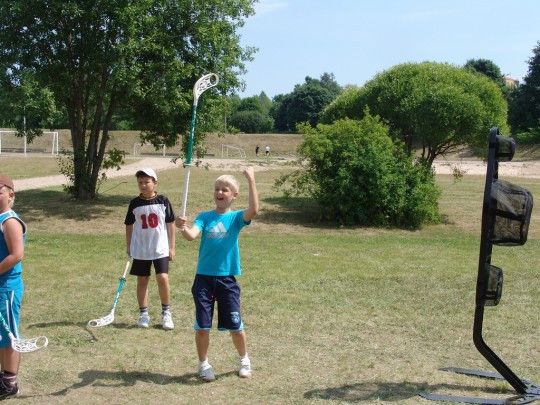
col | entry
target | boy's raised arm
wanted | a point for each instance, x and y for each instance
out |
(253, 197)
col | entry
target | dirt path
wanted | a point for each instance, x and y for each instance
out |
(511, 169)
(156, 163)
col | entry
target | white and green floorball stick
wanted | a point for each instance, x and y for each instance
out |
(24, 345)
(204, 83)
(109, 318)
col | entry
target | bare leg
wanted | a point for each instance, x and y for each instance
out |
(142, 291)
(239, 341)
(10, 360)
(202, 341)
(163, 288)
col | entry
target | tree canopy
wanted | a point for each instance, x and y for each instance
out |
(142, 56)
(438, 107)
(305, 103)
(524, 113)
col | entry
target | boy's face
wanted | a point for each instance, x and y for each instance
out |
(147, 186)
(223, 196)
(6, 195)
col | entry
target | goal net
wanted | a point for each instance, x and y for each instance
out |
(232, 151)
(11, 143)
(147, 149)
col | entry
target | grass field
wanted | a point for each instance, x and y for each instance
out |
(333, 315)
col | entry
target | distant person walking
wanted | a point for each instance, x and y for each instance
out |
(267, 150)
(257, 150)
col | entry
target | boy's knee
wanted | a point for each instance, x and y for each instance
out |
(199, 332)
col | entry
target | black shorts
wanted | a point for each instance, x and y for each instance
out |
(142, 267)
(225, 290)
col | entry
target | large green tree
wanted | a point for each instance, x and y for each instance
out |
(142, 56)
(438, 107)
(306, 102)
(524, 115)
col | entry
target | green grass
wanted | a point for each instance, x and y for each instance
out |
(333, 315)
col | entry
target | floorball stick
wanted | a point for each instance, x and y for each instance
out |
(204, 83)
(108, 319)
(24, 345)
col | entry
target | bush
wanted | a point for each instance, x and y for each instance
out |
(358, 175)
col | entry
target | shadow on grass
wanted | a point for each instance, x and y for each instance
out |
(293, 210)
(392, 392)
(103, 378)
(57, 204)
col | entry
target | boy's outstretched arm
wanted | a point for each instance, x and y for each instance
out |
(187, 233)
(253, 198)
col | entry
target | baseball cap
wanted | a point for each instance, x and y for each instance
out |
(147, 171)
(6, 181)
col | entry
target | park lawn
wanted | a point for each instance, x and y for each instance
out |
(332, 315)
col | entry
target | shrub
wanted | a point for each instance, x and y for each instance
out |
(359, 175)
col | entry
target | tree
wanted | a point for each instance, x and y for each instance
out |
(143, 56)
(251, 122)
(436, 106)
(485, 67)
(27, 106)
(358, 175)
(306, 102)
(524, 114)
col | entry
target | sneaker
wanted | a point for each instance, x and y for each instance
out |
(144, 320)
(206, 373)
(244, 369)
(166, 320)
(7, 391)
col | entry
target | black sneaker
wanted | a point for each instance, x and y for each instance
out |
(6, 392)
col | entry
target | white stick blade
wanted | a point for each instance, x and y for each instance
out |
(104, 321)
(29, 345)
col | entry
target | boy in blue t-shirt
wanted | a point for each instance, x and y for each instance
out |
(219, 263)
(12, 240)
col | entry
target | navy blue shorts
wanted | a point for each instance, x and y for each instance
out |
(225, 290)
(142, 267)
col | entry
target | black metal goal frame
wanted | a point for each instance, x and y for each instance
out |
(489, 282)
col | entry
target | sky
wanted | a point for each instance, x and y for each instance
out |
(356, 39)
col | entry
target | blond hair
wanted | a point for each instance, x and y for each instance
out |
(230, 181)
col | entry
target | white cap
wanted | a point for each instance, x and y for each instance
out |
(149, 172)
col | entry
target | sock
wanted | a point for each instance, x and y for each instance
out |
(165, 308)
(244, 357)
(143, 310)
(9, 379)
(203, 363)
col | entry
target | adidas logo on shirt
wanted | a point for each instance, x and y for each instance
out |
(217, 231)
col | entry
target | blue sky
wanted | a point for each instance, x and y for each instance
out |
(356, 39)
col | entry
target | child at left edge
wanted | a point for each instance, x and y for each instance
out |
(12, 239)
(150, 239)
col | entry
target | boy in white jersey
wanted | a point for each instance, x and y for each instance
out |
(218, 264)
(150, 238)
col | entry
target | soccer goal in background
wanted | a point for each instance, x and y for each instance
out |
(147, 149)
(11, 143)
(232, 151)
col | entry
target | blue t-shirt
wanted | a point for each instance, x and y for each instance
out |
(10, 280)
(218, 253)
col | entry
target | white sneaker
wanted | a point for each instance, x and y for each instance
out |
(144, 320)
(244, 369)
(206, 373)
(166, 320)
